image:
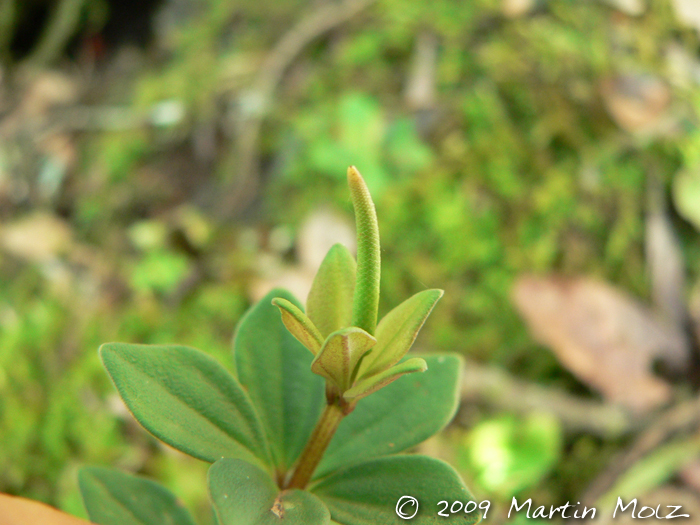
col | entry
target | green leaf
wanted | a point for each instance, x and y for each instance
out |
(366, 298)
(299, 325)
(340, 355)
(185, 398)
(115, 498)
(397, 331)
(329, 304)
(508, 455)
(375, 382)
(653, 470)
(686, 196)
(275, 369)
(245, 495)
(397, 417)
(367, 494)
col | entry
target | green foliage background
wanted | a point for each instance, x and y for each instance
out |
(517, 168)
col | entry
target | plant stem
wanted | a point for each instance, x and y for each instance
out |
(316, 446)
(61, 27)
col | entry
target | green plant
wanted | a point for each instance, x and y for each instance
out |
(282, 451)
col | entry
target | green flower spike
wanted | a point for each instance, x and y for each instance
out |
(354, 354)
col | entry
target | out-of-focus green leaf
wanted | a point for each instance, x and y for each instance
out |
(686, 195)
(159, 271)
(115, 498)
(511, 454)
(653, 470)
(405, 149)
(245, 495)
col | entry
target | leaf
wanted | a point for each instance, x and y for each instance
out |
(115, 498)
(367, 494)
(366, 298)
(508, 455)
(20, 511)
(653, 470)
(397, 417)
(375, 382)
(245, 495)
(299, 325)
(636, 102)
(397, 331)
(605, 338)
(340, 355)
(329, 304)
(275, 369)
(686, 196)
(187, 399)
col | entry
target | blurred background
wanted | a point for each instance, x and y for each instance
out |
(164, 163)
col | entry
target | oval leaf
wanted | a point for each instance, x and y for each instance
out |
(275, 369)
(397, 331)
(397, 417)
(115, 498)
(185, 398)
(368, 493)
(376, 382)
(340, 355)
(20, 511)
(329, 304)
(299, 325)
(245, 495)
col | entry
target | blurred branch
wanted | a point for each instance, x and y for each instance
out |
(680, 417)
(61, 27)
(495, 387)
(8, 11)
(256, 101)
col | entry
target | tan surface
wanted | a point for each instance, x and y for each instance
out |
(20, 511)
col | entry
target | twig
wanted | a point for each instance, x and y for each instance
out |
(8, 11)
(256, 101)
(499, 389)
(677, 418)
(61, 27)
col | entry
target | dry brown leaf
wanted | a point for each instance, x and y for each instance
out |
(20, 511)
(636, 102)
(37, 238)
(690, 475)
(604, 337)
(49, 89)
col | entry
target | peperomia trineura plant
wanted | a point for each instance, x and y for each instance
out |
(308, 429)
